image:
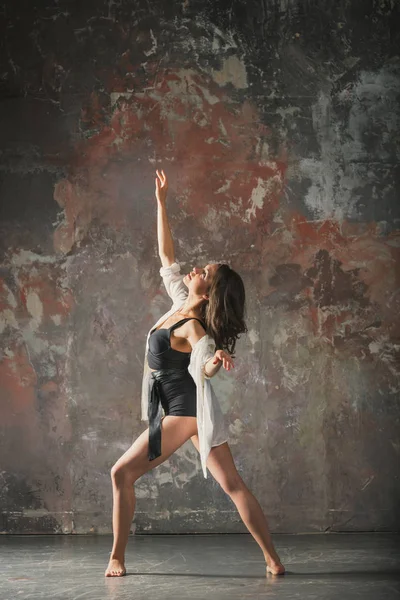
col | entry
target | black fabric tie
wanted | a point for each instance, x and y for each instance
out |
(154, 416)
(155, 407)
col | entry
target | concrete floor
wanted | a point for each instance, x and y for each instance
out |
(319, 566)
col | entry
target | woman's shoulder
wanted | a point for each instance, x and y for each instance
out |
(197, 324)
(203, 340)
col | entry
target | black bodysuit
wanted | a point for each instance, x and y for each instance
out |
(171, 387)
(161, 355)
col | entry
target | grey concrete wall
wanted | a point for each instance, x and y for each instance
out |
(278, 125)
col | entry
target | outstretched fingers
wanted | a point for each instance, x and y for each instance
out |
(162, 177)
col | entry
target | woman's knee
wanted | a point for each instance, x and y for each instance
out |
(232, 484)
(223, 468)
(122, 475)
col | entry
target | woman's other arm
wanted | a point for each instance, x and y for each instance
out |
(194, 332)
(165, 242)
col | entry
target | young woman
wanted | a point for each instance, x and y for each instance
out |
(180, 358)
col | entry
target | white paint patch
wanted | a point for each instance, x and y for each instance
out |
(374, 347)
(56, 319)
(34, 343)
(262, 151)
(292, 377)
(222, 128)
(235, 429)
(254, 338)
(257, 198)
(25, 257)
(263, 189)
(223, 40)
(187, 90)
(200, 119)
(165, 477)
(35, 308)
(146, 489)
(115, 95)
(340, 170)
(233, 71)
(90, 436)
(395, 445)
(60, 350)
(154, 46)
(280, 338)
(212, 221)
(36, 512)
(386, 351)
(374, 102)
(7, 319)
(210, 98)
(224, 188)
(11, 298)
(289, 111)
(254, 377)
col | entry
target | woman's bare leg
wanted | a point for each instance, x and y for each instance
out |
(222, 468)
(175, 431)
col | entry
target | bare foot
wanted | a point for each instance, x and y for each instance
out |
(116, 568)
(276, 568)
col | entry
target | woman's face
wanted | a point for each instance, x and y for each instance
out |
(199, 280)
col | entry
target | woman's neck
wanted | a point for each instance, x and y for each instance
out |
(192, 307)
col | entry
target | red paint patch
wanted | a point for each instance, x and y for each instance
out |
(213, 153)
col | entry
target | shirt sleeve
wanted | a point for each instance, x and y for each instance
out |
(208, 353)
(173, 282)
(204, 373)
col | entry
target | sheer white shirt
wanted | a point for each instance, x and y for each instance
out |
(211, 426)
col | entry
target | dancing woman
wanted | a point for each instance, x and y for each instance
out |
(180, 358)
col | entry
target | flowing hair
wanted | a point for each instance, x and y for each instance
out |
(224, 312)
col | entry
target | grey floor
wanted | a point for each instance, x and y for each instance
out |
(320, 566)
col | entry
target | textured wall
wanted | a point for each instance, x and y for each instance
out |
(278, 125)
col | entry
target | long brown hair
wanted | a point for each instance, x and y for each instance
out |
(224, 312)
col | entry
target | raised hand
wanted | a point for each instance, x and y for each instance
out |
(161, 186)
(225, 358)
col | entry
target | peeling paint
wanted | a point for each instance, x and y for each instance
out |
(278, 133)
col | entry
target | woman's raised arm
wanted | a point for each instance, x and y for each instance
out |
(165, 241)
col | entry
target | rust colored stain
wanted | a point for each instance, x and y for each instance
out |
(18, 381)
(54, 299)
(335, 287)
(36, 311)
(213, 153)
(324, 293)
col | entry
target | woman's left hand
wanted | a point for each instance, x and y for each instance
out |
(225, 358)
(161, 186)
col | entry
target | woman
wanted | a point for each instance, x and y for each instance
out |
(180, 358)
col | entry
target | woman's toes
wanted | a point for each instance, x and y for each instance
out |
(115, 571)
(276, 570)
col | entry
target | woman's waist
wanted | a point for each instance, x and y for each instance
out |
(177, 369)
(158, 363)
(169, 373)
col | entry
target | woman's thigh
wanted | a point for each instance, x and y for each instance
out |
(222, 467)
(175, 431)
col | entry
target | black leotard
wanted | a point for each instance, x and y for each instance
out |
(161, 355)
